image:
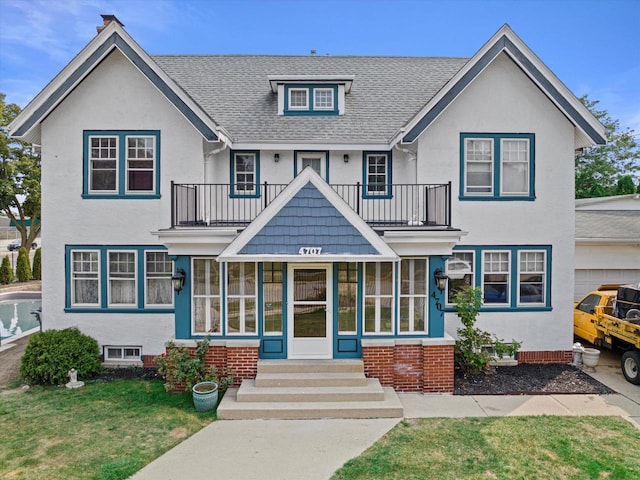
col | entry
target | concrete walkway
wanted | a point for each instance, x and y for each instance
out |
(314, 449)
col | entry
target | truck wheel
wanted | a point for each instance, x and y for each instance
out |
(631, 367)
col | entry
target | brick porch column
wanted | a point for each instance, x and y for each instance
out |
(242, 359)
(438, 364)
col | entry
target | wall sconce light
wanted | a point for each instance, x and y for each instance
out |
(346, 158)
(276, 157)
(441, 279)
(178, 279)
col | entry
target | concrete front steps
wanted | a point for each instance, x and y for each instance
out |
(308, 389)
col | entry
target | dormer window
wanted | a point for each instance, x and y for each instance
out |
(311, 94)
(310, 100)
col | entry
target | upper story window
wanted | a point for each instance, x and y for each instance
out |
(121, 164)
(377, 174)
(245, 171)
(311, 100)
(318, 161)
(497, 166)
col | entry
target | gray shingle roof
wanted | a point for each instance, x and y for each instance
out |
(616, 224)
(234, 91)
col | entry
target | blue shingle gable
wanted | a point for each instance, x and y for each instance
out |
(308, 220)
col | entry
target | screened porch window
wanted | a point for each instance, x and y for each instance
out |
(241, 298)
(347, 297)
(206, 296)
(413, 295)
(378, 298)
(272, 297)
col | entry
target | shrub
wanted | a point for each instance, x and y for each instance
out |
(181, 368)
(51, 354)
(23, 269)
(37, 265)
(6, 272)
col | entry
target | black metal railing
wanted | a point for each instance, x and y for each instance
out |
(397, 205)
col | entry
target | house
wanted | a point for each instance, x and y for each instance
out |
(607, 242)
(308, 207)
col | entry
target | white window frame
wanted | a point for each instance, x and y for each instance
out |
(321, 156)
(315, 99)
(264, 302)
(254, 172)
(526, 162)
(412, 296)
(243, 296)
(507, 303)
(208, 296)
(377, 296)
(453, 273)
(542, 273)
(97, 274)
(148, 276)
(146, 169)
(122, 357)
(115, 159)
(135, 280)
(489, 162)
(385, 190)
(298, 107)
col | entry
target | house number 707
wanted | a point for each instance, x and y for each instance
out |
(310, 251)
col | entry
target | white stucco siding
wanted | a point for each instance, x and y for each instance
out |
(115, 96)
(503, 100)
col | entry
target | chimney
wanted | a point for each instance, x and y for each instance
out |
(106, 20)
(313, 53)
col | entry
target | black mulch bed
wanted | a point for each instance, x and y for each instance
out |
(536, 379)
(129, 373)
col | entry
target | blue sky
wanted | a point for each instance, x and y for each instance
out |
(593, 46)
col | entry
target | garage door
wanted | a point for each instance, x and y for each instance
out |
(588, 280)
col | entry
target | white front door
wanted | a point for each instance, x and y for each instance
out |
(310, 325)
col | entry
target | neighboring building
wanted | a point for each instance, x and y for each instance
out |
(607, 242)
(310, 203)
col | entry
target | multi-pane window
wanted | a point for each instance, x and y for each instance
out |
(141, 154)
(413, 295)
(241, 298)
(121, 163)
(378, 297)
(272, 297)
(245, 174)
(515, 166)
(377, 174)
(122, 278)
(298, 98)
(158, 271)
(347, 297)
(103, 164)
(496, 277)
(531, 277)
(129, 354)
(323, 99)
(206, 296)
(479, 166)
(497, 165)
(460, 273)
(85, 278)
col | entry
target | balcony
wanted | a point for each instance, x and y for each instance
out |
(403, 207)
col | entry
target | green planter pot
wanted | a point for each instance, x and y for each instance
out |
(205, 396)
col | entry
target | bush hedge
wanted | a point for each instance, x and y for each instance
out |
(51, 354)
(23, 269)
(37, 265)
(6, 272)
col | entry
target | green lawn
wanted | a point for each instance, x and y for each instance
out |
(510, 448)
(103, 431)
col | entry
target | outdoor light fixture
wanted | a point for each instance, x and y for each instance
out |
(441, 279)
(346, 158)
(178, 280)
(276, 157)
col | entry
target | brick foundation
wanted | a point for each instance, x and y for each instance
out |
(545, 356)
(424, 366)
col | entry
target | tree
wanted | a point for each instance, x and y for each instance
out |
(625, 185)
(6, 271)
(20, 195)
(605, 164)
(37, 265)
(23, 269)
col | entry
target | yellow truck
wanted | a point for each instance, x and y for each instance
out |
(610, 316)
